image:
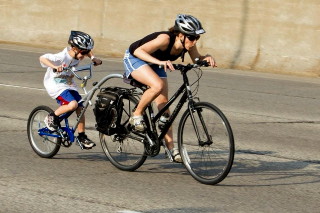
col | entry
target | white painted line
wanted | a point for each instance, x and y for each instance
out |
(128, 211)
(35, 50)
(21, 87)
(31, 88)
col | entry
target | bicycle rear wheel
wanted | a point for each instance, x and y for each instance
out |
(124, 149)
(45, 146)
(209, 156)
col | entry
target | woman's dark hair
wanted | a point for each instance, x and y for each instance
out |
(174, 31)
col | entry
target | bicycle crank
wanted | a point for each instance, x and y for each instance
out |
(152, 146)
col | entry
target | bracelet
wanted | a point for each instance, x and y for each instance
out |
(92, 57)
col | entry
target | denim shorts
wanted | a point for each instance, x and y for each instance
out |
(67, 96)
(132, 63)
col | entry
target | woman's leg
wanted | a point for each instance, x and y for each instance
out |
(147, 76)
(161, 100)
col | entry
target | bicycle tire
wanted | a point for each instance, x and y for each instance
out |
(210, 160)
(121, 149)
(44, 146)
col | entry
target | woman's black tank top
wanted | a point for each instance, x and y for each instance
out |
(161, 55)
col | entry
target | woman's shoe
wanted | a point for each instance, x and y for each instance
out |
(138, 123)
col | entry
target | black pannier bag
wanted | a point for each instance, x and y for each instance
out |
(108, 110)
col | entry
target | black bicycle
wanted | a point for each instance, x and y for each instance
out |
(205, 138)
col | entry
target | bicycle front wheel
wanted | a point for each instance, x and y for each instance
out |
(206, 143)
(45, 146)
(124, 149)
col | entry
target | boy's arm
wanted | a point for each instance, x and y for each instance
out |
(47, 63)
(96, 61)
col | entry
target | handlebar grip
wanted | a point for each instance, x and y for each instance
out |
(205, 63)
(176, 66)
(63, 69)
(202, 63)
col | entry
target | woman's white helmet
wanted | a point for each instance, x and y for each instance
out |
(81, 40)
(188, 25)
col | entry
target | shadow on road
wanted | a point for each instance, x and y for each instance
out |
(269, 170)
(262, 167)
(182, 210)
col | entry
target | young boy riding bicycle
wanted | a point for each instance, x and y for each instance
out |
(60, 85)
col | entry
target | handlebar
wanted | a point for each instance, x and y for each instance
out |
(186, 68)
(78, 69)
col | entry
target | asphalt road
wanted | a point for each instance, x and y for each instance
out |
(276, 125)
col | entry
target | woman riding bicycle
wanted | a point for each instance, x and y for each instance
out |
(148, 59)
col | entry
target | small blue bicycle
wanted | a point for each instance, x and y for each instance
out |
(47, 143)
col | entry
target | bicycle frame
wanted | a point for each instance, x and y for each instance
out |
(207, 155)
(186, 92)
(86, 100)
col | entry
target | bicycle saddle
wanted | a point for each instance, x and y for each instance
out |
(134, 82)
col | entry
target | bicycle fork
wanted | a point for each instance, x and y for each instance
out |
(195, 126)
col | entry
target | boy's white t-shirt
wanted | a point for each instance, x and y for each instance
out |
(56, 83)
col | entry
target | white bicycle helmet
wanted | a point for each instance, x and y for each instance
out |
(188, 25)
(81, 40)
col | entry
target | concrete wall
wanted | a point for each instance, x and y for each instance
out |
(273, 36)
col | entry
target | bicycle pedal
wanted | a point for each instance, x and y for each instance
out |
(138, 132)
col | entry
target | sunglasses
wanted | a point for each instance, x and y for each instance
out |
(192, 38)
(85, 52)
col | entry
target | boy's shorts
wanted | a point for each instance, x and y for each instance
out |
(132, 63)
(67, 96)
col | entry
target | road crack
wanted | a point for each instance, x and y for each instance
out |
(12, 117)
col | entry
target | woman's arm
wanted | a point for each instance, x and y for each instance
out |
(194, 53)
(144, 52)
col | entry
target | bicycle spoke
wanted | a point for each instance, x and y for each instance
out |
(41, 144)
(206, 144)
(124, 150)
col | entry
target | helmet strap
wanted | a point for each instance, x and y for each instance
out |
(75, 56)
(184, 48)
(76, 53)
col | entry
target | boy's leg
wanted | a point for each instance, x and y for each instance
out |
(71, 106)
(68, 102)
(83, 138)
(82, 122)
